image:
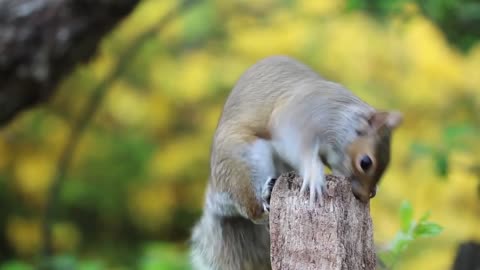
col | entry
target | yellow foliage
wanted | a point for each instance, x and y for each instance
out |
(261, 5)
(104, 65)
(356, 63)
(188, 78)
(146, 14)
(410, 8)
(173, 31)
(472, 70)
(33, 172)
(24, 235)
(125, 104)
(158, 115)
(151, 206)
(86, 145)
(193, 197)
(286, 36)
(438, 258)
(212, 115)
(240, 22)
(58, 132)
(4, 153)
(320, 8)
(229, 68)
(162, 74)
(66, 237)
(434, 68)
(175, 157)
(194, 76)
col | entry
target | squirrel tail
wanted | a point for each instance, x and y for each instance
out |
(229, 243)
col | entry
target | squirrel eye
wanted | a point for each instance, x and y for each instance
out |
(365, 163)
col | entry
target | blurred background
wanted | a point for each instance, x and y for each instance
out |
(136, 182)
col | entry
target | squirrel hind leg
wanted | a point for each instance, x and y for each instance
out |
(264, 174)
(240, 172)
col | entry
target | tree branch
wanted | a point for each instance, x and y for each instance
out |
(41, 41)
(336, 236)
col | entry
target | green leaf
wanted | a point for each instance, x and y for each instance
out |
(15, 265)
(161, 255)
(455, 132)
(425, 216)
(287, 3)
(410, 231)
(420, 149)
(393, 6)
(387, 258)
(406, 215)
(352, 5)
(401, 243)
(427, 229)
(478, 189)
(131, 151)
(441, 164)
(63, 262)
(200, 22)
(91, 265)
(137, 71)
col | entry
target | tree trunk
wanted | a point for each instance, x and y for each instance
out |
(41, 41)
(468, 256)
(337, 235)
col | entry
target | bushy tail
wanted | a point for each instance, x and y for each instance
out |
(232, 243)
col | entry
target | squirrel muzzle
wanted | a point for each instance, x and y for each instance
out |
(362, 192)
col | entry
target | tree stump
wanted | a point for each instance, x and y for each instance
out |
(336, 234)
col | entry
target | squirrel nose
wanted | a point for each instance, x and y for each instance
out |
(362, 198)
(373, 192)
(360, 193)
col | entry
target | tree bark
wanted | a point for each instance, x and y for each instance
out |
(468, 256)
(335, 235)
(41, 41)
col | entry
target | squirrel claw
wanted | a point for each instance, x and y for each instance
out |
(315, 184)
(267, 192)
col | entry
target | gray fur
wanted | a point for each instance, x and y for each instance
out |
(229, 243)
(301, 111)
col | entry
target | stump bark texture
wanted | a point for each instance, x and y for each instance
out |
(335, 234)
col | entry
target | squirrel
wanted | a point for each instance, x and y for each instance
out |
(282, 116)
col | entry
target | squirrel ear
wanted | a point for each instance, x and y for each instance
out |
(389, 119)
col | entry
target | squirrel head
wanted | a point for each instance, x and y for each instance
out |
(370, 153)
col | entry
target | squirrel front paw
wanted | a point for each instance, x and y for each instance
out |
(267, 192)
(316, 187)
(312, 172)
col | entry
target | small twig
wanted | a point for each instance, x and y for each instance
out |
(95, 100)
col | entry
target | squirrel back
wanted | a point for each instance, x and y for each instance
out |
(279, 97)
(274, 81)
